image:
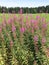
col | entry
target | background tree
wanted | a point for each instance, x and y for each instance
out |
(32, 10)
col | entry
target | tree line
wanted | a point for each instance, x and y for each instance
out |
(42, 9)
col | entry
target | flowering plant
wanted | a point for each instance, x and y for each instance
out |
(23, 43)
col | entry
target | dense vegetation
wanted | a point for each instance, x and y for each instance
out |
(42, 9)
(23, 41)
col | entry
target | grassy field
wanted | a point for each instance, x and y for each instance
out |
(34, 16)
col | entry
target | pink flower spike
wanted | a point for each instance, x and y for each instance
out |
(0, 29)
(35, 38)
(43, 19)
(32, 30)
(43, 40)
(35, 22)
(37, 17)
(10, 21)
(15, 18)
(44, 25)
(4, 24)
(32, 21)
(22, 29)
(13, 28)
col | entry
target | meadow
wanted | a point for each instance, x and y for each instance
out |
(24, 39)
(34, 15)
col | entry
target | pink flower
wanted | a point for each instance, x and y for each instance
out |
(20, 11)
(44, 28)
(43, 19)
(13, 28)
(22, 29)
(43, 40)
(44, 25)
(0, 29)
(32, 30)
(4, 24)
(10, 21)
(28, 24)
(35, 38)
(26, 17)
(15, 18)
(35, 24)
(37, 17)
(32, 21)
